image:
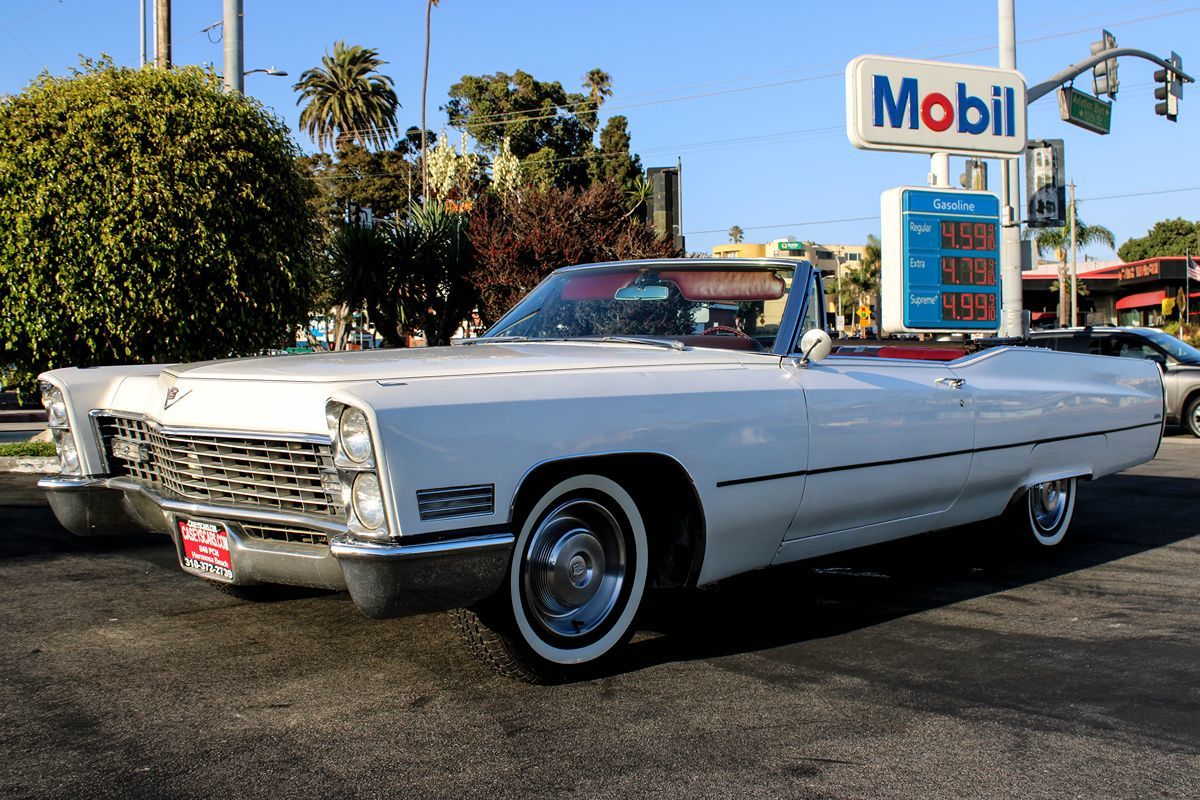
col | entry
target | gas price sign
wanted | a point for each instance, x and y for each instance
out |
(941, 260)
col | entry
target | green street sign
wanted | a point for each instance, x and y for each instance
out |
(791, 246)
(1080, 108)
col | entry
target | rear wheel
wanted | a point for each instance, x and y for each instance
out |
(1043, 515)
(575, 584)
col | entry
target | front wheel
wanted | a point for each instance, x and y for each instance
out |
(1044, 512)
(1191, 417)
(575, 583)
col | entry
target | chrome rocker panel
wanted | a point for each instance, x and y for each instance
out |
(384, 580)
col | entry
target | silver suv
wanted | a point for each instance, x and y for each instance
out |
(1180, 362)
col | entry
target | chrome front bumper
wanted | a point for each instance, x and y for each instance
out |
(384, 580)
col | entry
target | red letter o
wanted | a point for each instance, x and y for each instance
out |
(941, 101)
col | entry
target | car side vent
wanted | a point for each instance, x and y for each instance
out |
(456, 501)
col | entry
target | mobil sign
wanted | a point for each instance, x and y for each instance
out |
(930, 106)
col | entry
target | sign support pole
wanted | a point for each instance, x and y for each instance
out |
(1074, 263)
(939, 170)
(1012, 301)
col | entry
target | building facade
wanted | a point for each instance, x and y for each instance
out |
(1150, 292)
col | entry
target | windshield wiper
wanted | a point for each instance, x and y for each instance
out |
(670, 344)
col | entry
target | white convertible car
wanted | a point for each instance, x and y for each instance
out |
(626, 425)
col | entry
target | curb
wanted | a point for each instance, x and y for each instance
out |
(23, 415)
(40, 465)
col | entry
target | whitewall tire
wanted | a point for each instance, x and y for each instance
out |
(575, 584)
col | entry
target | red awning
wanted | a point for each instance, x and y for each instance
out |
(1142, 299)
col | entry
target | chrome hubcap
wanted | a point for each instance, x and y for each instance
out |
(575, 568)
(1196, 419)
(1048, 502)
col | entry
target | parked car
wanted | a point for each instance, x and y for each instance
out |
(615, 430)
(1180, 362)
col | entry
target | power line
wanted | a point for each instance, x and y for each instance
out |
(876, 217)
(34, 13)
(508, 117)
(1139, 194)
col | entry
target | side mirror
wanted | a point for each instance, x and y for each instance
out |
(815, 345)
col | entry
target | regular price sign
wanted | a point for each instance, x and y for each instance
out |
(941, 261)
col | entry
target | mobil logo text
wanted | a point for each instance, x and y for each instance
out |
(906, 105)
(902, 104)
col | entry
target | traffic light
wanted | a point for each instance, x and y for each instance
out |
(1171, 90)
(1104, 74)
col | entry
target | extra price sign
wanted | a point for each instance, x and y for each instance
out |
(941, 258)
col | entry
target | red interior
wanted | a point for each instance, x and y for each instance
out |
(701, 286)
(921, 353)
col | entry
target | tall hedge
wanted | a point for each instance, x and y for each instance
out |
(147, 216)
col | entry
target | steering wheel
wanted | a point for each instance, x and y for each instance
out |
(725, 330)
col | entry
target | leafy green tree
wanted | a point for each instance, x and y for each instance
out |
(736, 234)
(1058, 241)
(347, 99)
(147, 216)
(860, 286)
(1169, 237)
(614, 161)
(548, 128)
(386, 181)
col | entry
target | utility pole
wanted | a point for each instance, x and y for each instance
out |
(1074, 262)
(162, 34)
(234, 78)
(141, 33)
(1012, 301)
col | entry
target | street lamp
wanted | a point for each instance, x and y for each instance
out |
(277, 73)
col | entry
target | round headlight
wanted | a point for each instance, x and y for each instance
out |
(56, 405)
(368, 500)
(355, 435)
(68, 455)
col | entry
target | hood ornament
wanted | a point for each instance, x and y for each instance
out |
(173, 397)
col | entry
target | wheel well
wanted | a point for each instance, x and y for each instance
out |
(665, 496)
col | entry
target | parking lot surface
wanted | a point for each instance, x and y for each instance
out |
(947, 666)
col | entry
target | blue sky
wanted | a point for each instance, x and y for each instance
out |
(750, 95)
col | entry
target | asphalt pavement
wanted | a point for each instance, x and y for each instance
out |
(951, 665)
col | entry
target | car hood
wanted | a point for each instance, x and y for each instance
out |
(433, 362)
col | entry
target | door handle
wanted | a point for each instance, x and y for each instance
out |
(953, 383)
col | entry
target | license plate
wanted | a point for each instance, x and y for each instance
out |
(204, 548)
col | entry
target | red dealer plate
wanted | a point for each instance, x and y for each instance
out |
(204, 549)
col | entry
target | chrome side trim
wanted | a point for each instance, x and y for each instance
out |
(347, 547)
(220, 433)
(328, 526)
(67, 483)
(397, 580)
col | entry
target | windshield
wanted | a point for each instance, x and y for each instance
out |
(678, 302)
(1182, 351)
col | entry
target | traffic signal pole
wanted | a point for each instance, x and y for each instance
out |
(1010, 245)
(1011, 300)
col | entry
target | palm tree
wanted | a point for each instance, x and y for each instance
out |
(1058, 241)
(348, 100)
(599, 85)
(736, 234)
(860, 286)
(424, 91)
